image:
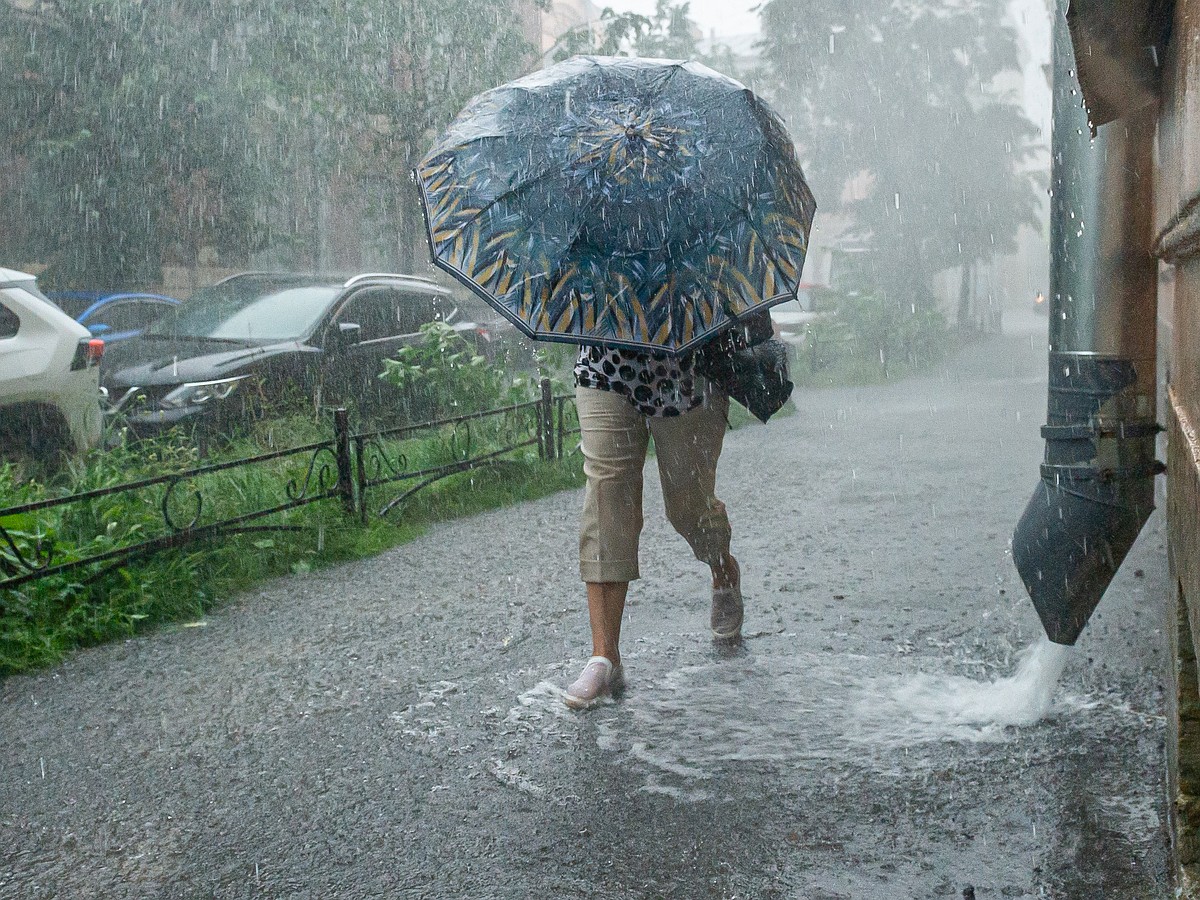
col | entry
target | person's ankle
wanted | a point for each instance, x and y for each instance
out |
(727, 575)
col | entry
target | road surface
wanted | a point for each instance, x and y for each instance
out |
(391, 727)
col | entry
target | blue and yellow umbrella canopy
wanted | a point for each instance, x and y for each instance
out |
(638, 203)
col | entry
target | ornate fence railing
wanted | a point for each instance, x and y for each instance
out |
(349, 468)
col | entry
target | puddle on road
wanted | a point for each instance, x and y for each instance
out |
(686, 725)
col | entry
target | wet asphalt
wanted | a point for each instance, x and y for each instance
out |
(391, 728)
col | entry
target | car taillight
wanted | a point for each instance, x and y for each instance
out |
(88, 353)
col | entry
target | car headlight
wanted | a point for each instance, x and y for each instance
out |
(197, 392)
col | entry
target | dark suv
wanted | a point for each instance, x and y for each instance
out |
(247, 345)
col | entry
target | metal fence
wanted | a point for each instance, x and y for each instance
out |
(351, 468)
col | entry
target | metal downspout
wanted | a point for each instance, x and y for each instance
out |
(1097, 481)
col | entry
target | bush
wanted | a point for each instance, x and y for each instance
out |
(442, 376)
(869, 338)
(922, 337)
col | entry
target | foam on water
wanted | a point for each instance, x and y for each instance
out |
(928, 707)
(1022, 699)
(681, 727)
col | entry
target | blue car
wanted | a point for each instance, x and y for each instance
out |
(114, 317)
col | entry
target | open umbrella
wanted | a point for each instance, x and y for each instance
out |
(639, 203)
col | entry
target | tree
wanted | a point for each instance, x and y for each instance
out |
(899, 96)
(669, 33)
(141, 133)
(133, 135)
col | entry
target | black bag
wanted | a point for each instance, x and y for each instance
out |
(750, 366)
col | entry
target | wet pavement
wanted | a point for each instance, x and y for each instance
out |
(392, 728)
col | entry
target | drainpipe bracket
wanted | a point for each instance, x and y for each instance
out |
(1056, 473)
(1119, 431)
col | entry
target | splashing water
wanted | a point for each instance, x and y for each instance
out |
(1021, 699)
(682, 726)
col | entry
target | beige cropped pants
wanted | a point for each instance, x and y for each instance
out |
(615, 437)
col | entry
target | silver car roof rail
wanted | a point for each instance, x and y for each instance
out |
(369, 275)
(268, 273)
(350, 282)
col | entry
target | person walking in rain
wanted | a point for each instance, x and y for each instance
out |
(649, 210)
(624, 398)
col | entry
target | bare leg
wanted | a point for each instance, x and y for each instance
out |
(602, 675)
(606, 605)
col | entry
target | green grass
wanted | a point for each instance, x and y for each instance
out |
(849, 368)
(42, 622)
(849, 371)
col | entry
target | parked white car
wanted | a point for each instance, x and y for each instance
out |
(49, 375)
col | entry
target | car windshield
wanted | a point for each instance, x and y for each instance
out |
(72, 307)
(473, 309)
(255, 312)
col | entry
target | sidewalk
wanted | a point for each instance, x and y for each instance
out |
(389, 728)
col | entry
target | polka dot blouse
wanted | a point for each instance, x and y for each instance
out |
(656, 384)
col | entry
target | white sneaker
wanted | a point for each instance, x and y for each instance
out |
(599, 679)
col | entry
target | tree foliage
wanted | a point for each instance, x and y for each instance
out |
(127, 137)
(141, 133)
(902, 98)
(668, 33)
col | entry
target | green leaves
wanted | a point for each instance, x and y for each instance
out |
(42, 621)
(443, 376)
(668, 34)
(151, 136)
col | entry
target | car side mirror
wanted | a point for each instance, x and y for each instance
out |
(347, 334)
(98, 329)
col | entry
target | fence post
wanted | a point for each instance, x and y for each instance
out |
(360, 467)
(546, 421)
(561, 412)
(345, 476)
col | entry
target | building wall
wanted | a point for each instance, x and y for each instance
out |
(1177, 192)
(530, 16)
(564, 16)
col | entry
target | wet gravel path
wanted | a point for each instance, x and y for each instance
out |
(390, 728)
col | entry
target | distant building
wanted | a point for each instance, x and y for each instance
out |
(564, 16)
(545, 28)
